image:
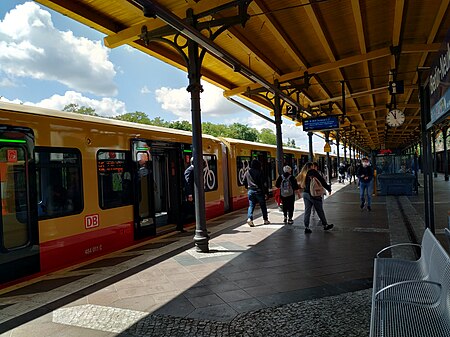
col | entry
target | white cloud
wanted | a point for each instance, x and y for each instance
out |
(107, 107)
(178, 101)
(145, 90)
(289, 131)
(128, 48)
(30, 46)
(15, 101)
(214, 104)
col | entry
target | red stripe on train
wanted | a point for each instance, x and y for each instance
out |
(214, 208)
(239, 202)
(78, 248)
(74, 249)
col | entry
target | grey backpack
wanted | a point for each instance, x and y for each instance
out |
(286, 187)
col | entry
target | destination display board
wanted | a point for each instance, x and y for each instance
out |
(110, 166)
(321, 123)
(438, 80)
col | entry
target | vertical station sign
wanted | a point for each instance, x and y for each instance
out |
(438, 82)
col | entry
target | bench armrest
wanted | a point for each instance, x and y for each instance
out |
(406, 291)
(397, 245)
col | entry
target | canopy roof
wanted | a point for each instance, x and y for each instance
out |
(309, 47)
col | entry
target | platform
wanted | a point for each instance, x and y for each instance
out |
(269, 280)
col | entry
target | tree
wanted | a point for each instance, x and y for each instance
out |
(136, 117)
(215, 130)
(84, 110)
(181, 125)
(266, 136)
(158, 121)
(244, 132)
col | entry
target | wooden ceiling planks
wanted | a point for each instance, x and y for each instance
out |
(334, 40)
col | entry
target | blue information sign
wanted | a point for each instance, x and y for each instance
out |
(321, 123)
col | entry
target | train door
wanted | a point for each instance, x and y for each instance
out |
(288, 159)
(19, 242)
(144, 211)
(167, 185)
(265, 160)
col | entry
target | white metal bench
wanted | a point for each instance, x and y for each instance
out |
(412, 298)
(447, 235)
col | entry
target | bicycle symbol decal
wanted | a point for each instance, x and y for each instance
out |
(209, 179)
(242, 170)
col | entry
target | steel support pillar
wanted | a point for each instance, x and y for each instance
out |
(201, 237)
(310, 142)
(329, 168)
(337, 150)
(426, 157)
(345, 150)
(445, 156)
(278, 121)
(434, 154)
(350, 153)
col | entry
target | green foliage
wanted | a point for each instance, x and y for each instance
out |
(291, 142)
(180, 125)
(83, 110)
(235, 130)
(136, 117)
(267, 136)
(216, 130)
(158, 121)
(244, 132)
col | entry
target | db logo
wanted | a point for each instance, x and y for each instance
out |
(91, 221)
(12, 156)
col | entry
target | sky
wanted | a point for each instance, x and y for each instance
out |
(49, 60)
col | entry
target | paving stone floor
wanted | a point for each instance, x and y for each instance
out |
(270, 280)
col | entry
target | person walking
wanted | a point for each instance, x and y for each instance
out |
(257, 191)
(351, 173)
(365, 176)
(288, 187)
(307, 174)
(189, 181)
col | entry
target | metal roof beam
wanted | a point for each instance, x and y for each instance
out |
(193, 34)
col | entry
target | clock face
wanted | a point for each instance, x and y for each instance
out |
(395, 118)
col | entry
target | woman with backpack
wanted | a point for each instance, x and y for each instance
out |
(287, 185)
(314, 184)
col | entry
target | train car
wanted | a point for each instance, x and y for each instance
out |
(241, 153)
(75, 187)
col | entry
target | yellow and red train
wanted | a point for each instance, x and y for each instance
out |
(75, 187)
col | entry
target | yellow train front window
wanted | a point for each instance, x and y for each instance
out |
(14, 197)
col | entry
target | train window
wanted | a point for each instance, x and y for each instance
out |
(210, 172)
(114, 178)
(59, 182)
(273, 169)
(243, 164)
(14, 197)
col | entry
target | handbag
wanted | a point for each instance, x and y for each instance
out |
(316, 188)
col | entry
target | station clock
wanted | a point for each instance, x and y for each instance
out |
(395, 118)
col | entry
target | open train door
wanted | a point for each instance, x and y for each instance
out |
(144, 210)
(19, 242)
(266, 165)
